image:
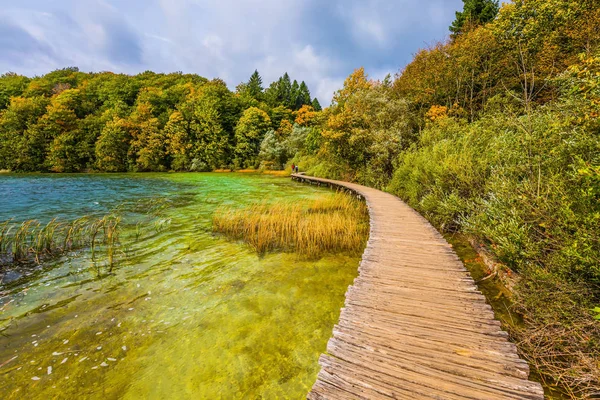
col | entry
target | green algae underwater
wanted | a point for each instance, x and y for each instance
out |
(184, 313)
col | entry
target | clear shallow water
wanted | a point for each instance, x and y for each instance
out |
(186, 314)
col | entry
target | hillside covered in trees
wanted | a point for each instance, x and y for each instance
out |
(70, 121)
(494, 133)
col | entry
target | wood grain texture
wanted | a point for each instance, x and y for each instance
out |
(414, 325)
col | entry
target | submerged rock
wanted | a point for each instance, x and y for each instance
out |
(10, 276)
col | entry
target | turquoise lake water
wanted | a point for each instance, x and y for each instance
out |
(185, 314)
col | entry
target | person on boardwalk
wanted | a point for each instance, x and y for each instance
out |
(293, 168)
(297, 169)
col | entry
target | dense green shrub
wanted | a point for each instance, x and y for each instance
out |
(529, 187)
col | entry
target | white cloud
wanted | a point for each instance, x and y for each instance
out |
(373, 29)
(162, 39)
(326, 87)
(307, 59)
(214, 44)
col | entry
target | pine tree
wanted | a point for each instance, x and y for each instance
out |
(303, 96)
(270, 94)
(475, 12)
(316, 105)
(284, 90)
(294, 95)
(254, 85)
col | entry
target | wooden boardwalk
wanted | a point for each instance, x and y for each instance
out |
(414, 325)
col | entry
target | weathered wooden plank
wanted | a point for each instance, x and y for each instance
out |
(474, 355)
(439, 337)
(480, 386)
(414, 325)
(424, 364)
(425, 318)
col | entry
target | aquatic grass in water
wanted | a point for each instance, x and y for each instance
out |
(186, 315)
(34, 242)
(331, 225)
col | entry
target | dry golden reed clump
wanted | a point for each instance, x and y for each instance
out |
(337, 223)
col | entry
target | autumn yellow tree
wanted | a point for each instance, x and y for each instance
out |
(306, 116)
(365, 129)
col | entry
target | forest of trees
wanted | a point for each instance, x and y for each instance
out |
(70, 121)
(494, 133)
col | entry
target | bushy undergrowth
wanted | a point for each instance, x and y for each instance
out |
(529, 187)
(335, 224)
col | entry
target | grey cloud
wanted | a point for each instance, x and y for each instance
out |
(18, 46)
(318, 41)
(123, 45)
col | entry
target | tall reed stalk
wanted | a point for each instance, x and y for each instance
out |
(32, 241)
(111, 237)
(5, 228)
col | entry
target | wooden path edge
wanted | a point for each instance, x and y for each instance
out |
(414, 325)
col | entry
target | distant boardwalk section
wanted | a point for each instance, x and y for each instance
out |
(414, 325)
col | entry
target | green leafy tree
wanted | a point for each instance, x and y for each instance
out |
(112, 147)
(11, 85)
(279, 114)
(90, 129)
(59, 127)
(179, 142)
(68, 152)
(73, 99)
(278, 147)
(148, 145)
(273, 152)
(197, 140)
(542, 38)
(161, 105)
(245, 98)
(475, 12)
(366, 129)
(209, 139)
(22, 147)
(249, 133)
(229, 108)
(112, 89)
(58, 120)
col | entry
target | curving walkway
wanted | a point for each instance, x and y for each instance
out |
(414, 325)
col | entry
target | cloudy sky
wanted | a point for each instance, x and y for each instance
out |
(319, 41)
